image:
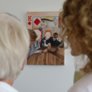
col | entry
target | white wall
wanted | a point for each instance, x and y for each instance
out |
(47, 78)
(40, 78)
(20, 7)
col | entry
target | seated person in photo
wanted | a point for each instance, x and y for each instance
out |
(53, 44)
(35, 42)
(14, 47)
(43, 44)
(55, 41)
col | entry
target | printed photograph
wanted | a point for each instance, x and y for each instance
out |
(46, 42)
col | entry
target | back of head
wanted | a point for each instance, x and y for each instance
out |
(14, 45)
(77, 19)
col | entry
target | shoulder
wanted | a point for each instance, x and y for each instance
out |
(77, 88)
(4, 87)
(83, 85)
(50, 38)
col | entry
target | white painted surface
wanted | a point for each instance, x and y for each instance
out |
(40, 78)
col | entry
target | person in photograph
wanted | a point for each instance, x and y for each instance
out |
(47, 35)
(48, 55)
(33, 46)
(14, 47)
(54, 43)
(77, 23)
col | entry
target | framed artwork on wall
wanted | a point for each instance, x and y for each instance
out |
(47, 46)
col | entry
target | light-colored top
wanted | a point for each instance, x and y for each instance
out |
(4, 87)
(83, 85)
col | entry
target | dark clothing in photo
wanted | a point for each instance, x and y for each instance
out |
(54, 42)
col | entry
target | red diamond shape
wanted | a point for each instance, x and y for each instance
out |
(29, 23)
(37, 21)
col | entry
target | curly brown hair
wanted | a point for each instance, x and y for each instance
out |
(77, 19)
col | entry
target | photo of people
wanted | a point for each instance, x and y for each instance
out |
(46, 42)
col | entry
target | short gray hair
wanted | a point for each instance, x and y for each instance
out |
(14, 46)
